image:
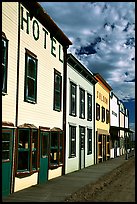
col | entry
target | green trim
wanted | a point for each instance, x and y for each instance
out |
(57, 90)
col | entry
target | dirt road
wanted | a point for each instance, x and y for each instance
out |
(117, 186)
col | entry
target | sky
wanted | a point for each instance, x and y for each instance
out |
(103, 40)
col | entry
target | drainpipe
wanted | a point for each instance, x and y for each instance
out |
(94, 120)
(18, 58)
(17, 96)
(64, 103)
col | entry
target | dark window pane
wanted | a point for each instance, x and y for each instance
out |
(72, 99)
(82, 103)
(23, 162)
(57, 91)
(31, 68)
(23, 139)
(45, 144)
(89, 140)
(31, 88)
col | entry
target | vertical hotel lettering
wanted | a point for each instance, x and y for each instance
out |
(36, 32)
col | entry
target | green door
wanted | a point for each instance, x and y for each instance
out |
(7, 148)
(44, 149)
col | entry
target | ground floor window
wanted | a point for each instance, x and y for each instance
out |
(56, 150)
(27, 150)
(72, 141)
(89, 141)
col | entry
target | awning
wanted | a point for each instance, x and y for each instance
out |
(114, 128)
(103, 132)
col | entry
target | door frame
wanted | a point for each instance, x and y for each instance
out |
(80, 146)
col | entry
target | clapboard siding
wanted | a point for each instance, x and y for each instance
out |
(9, 27)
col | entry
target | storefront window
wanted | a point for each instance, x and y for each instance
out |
(27, 155)
(56, 148)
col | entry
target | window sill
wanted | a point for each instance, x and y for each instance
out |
(23, 174)
(29, 101)
(54, 166)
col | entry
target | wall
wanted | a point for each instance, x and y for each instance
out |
(114, 111)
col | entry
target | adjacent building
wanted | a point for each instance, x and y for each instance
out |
(102, 116)
(33, 68)
(80, 116)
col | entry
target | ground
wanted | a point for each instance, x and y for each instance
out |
(117, 186)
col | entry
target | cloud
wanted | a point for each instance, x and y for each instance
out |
(103, 37)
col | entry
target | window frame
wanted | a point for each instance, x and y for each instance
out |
(10, 131)
(81, 103)
(89, 107)
(89, 140)
(5, 65)
(27, 98)
(97, 112)
(30, 150)
(72, 139)
(55, 106)
(73, 96)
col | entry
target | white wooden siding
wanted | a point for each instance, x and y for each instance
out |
(10, 28)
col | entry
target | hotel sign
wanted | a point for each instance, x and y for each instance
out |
(36, 32)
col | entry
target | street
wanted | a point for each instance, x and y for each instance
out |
(117, 186)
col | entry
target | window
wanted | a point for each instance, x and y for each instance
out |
(72, 141)
(103, 114)
(56, 149)
(73, 96)
(89, 107)
(97, 111)
(82, 103)
(30, 94)
(89, 141)
(27, 154)
(6, 144)
(107, 117)
(57, 90)
(4, 64)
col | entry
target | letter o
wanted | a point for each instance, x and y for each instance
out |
(35, 23)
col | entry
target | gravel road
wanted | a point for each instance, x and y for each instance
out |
(117, 186)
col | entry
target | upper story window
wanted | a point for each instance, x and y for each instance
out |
(82, 104)
(107, 116)
(73, 96)
(89, 107)
(57, 90)
(97, 111)
(4, 64)
(103, 114)
(30, 94)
